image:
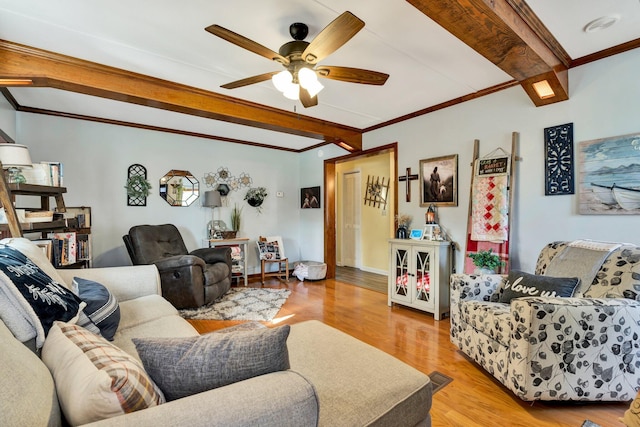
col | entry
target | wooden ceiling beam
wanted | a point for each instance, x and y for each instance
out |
(49, 69)
(509, 35)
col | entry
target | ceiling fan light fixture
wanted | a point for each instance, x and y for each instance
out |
(309, 80)
(314, 88)
(292, 92)
(282, 81)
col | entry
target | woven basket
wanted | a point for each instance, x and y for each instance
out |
(228, 234)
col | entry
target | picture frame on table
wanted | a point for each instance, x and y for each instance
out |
(416, 234)
(439, 181)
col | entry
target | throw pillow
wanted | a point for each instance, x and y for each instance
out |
(520, 284)
(95, 379)
(31, 289)
(186, 366)
(102, 306)
(269, 250)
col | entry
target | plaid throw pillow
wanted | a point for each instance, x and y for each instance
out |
(95, 379)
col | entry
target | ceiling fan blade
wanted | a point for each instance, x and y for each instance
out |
(249, 80)
(352, 75)
(306, 99)
(246, 43)
(334, 35)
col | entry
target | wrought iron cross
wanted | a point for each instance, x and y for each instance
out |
(407, 177)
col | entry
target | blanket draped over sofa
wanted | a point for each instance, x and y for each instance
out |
(552, 348)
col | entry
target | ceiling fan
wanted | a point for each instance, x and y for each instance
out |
(299, 80)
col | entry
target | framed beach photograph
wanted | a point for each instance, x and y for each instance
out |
(609, 181)
(310, 198)
(439, 181)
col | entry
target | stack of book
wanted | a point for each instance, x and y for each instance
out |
(64, 248)
(45, 173)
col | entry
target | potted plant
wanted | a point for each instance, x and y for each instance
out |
(255, 197)
(236, 212)
(486, 261)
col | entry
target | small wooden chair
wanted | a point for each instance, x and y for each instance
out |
(271, 251)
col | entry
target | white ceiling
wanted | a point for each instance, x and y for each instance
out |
(166, 39)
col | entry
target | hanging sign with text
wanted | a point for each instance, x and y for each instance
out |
(492, 167)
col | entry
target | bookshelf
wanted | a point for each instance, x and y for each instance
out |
(42, 227)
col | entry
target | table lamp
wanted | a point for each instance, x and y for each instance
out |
(212, 200)
(14, 157)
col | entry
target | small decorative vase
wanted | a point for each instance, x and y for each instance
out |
(401, 233)
(254, 202)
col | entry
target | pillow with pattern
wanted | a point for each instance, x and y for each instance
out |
(28, 287)
(520, 284)
(269, 250)
(102, 310)
(95, 379)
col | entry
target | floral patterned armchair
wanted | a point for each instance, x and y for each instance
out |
(551, 348)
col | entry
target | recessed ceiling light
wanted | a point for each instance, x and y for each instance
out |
(601, 23)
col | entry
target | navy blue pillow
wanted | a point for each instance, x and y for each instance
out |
(519, 284)
(102, 307)
(49, 299)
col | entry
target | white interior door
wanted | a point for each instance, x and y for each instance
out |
(350, 245)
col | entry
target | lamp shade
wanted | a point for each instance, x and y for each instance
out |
(212, 199)
(14, 155)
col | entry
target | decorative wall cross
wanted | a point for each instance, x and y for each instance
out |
(407, 177)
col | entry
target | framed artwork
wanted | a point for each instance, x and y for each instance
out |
(416, 234)
(439, 181)
(310, 198)
(609, 181)
(558, 160)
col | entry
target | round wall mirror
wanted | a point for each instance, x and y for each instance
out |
(179, 188)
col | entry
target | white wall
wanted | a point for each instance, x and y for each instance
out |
(604, 102)
(96, 157)
(7, 118)
(311, 233)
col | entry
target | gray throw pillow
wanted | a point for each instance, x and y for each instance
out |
(185, 366)
(521, 284)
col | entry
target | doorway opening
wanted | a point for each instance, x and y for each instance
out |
(331, 190)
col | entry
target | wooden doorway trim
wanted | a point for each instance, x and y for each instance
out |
(330, 198)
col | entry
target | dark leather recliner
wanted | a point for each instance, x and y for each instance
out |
(188, 279)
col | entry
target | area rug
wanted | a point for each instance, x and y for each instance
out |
(242, 304)
(438, 381)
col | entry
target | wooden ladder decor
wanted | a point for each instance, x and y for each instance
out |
(494, 164)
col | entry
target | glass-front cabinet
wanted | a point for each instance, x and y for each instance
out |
(419, 275)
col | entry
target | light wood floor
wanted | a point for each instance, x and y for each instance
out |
(473, 399)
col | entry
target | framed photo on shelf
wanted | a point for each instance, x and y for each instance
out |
(439, 181)
(416, 234)
(45, 245)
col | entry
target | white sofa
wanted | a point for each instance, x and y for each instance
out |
(334, 380)
(551, 348)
